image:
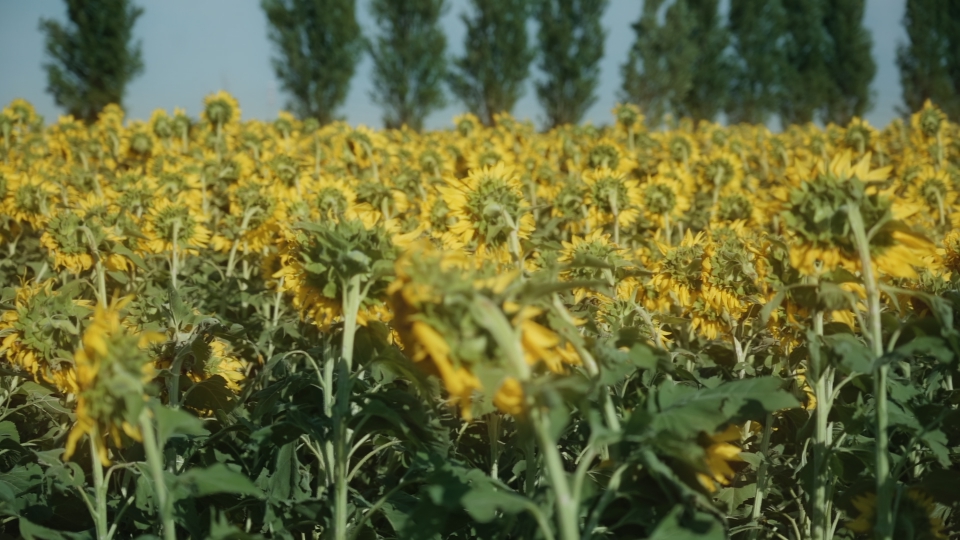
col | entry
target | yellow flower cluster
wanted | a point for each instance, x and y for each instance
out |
(694, 228)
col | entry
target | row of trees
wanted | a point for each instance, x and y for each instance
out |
(319, 44)
(801, 60)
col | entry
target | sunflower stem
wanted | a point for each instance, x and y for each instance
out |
(352, 297)
(567, 513)
(174, 261)
(99, 489)
(493, 431)
(232, 259)
(884, 483)
(762, 473)
(101, 277)
(154, 455)
(821, 507)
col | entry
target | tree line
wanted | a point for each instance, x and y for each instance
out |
(799, 60)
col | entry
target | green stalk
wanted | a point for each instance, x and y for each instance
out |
(762, 473)
(884, 511)
(99, 490)
(155, 461)
(820, 511)
(101, 276)
(352, 296)
(175, 257)
(567, 514)
(493, 432)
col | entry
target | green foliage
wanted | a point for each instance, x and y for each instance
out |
(757, 29)
(710, 79)
(318, 44)
(571, 46)
(849, 63)
(489, 77)
(656, 70)
(929, 62)
(92, 57)
(678, 67)
(408, 60)
(806, 79)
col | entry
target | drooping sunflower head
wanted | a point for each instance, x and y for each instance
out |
(590, 258)
(489, 206)
(915, 517)
(40, 330)
(319, 262)
(628, 115)
(471, 329)
(30, 199)
(718, 454)
(70, 241)
(816, 213)
(221, 109)
(113, 370)
(929, 121)
(169, 221)
(684, 263)
(610, 194)
(219, 360)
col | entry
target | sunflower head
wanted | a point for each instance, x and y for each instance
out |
(221, 108)
(40, 329)
(489, 206)
(718, 454)
(929, 120)
(628, 115)
(471, 328)
(915, 516)
(319, 261)
(113, 372)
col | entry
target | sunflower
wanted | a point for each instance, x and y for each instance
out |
(680, 274)
(611, 199)
(816, 217)
(915, 516)
(220, 361)
(37, 332)
(489, 208)
(169, 218)
(443, 312)
(718, 454)
(590, 258)
(30, 199)
(933, 189)
(113, 368)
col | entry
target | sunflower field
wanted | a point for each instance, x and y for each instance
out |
(216, 328)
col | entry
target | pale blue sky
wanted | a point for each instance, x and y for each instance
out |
(194, 47)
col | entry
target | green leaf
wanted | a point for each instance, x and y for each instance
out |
(211, 394)
(707, 409)
(219, 479)
(854, 356)
(485, 500)
(692, 526)
(172, 422)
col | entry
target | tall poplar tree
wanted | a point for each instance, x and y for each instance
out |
(930, 60)
(571, 46)
(489, 77)
(658, 72)
(757, 29)
(318, 44)
(849, 62)
(408, 60)
(806, 80)
(93, 56)
(710, 71)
